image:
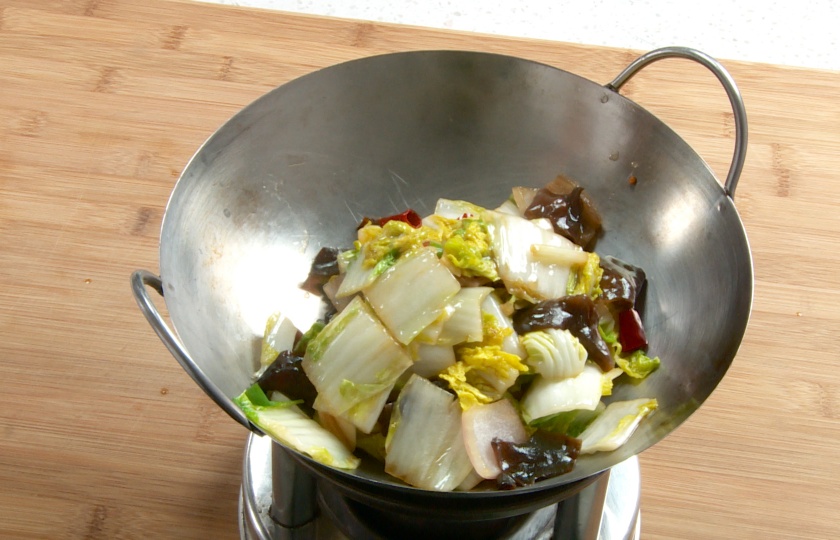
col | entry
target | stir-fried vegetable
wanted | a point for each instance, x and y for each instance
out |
(546, 397)
(569, 210)
(464, 346)
(577, 314)
(279, 336)
(586, 279)
(484, 371)
(522, 273)
(482, 374)
(413, 293)
(571, 423)
(555, 354)
(637, 364)
(614, 426)
(467, 250)
(354, 363)
(484, 424)
(281, 419)
(465, 322)
(425, 446)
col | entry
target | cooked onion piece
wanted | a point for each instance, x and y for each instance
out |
(482, 424)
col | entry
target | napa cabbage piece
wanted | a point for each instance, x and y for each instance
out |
(467, 250)
(429, 359)
(356, 275)
(586, 278)
(300, 347)
(509, 207)
(279, 336)
(331, 288)
(472, 480)
(546, 397)
(284, 421)
(465, 320)
(377, 249)
(394, 238)
(456, 209)
(368, 401)
(499, 327)
(550, 254)
(470, 392)
(555, 354)
(637, 364)
(615, 425)
(571, 423)
(522, 197)
(372, 444)
(524, 275)
(425, 446)
(482, 374)
(484, 370)
(412, 294)
(431, 333)
(341, 428)
(353, 364)
(464, 244)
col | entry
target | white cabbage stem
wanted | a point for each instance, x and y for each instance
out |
(558, 255)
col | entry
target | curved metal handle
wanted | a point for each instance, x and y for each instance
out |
(140, 279)
(740, 114)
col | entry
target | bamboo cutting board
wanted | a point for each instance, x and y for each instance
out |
(102, 435)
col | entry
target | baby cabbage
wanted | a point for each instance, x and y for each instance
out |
(555, 354)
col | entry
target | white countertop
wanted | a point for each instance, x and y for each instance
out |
(775, 31)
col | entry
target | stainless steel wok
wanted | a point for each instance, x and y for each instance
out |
(298, 168)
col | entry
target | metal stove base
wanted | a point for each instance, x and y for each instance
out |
(608, 509)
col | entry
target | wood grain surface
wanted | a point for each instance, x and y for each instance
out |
(102, 435)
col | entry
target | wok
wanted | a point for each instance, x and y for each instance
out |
(298, 168)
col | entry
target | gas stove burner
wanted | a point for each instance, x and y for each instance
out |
(607, 509)
(357, 520)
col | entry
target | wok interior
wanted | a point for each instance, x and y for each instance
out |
(298, 168)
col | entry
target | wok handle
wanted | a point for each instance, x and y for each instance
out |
(738, 110)
(140, 279)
